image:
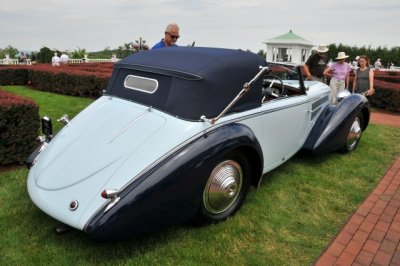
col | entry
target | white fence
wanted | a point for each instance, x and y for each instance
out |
(89, 60)
(15, 62)
(392, 68)
(71, 61)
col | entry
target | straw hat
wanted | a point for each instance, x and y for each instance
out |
(322, 49)
(341, 55)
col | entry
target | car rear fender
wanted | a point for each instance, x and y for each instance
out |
(171, 192)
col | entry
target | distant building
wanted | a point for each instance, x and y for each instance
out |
(288, 47)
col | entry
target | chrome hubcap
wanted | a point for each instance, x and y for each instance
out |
(354, 134)
(223, 187)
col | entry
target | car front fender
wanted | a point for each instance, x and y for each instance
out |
(171, 192)
(332, 127)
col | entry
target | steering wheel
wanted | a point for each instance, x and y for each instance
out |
(269, 90)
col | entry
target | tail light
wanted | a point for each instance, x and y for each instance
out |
(112, 195)
(109, 193)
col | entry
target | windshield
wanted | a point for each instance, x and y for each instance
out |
(285, 72)
(288, 74)
(281, 82)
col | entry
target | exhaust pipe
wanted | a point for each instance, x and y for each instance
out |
(62, 229)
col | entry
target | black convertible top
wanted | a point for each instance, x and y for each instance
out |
(192, 81)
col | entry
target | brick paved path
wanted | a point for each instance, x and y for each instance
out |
(372, 235)
(385, 118)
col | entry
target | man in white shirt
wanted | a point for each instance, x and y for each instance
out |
(64, 58)
(378, 64)
(55, 60)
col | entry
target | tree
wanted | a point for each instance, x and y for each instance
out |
(106, 53)
(44, 55)
(386, 55)
(79, 54)
(11, 51)
(125, 50)
(128, 46)
(119, 50)
(262, 53)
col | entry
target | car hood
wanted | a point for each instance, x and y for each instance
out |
(99, 139)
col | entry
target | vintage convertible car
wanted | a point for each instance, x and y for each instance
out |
(179, 135)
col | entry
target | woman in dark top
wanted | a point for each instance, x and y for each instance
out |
(364, 77)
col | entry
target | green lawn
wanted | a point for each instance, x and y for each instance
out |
(53, 105)
(289, 220)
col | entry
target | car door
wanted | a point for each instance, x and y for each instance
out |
(285, 126)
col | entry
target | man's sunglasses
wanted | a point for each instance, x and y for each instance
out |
(173, 36)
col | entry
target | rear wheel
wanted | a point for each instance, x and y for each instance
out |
(354, 135)
(225, 190)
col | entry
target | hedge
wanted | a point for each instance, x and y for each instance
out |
(387, 90)
(90, 79)
(67, 83)
(86, 80)
(388, 76)
(13, 76)
(387, 95)
(19, 124)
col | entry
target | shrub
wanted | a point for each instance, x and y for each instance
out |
(388, 76)
(13, 76)
(86, 80)
(387, 95)
(19, 124)
(44, 55)
(387, 90)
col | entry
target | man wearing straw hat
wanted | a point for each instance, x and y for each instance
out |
(316, 64)
(340, 75)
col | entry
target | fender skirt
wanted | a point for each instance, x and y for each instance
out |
(333, 125)
(171, 192)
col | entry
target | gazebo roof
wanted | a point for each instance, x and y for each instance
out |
(289, 37)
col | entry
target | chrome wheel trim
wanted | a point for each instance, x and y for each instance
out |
(354, 134)
(223, 187)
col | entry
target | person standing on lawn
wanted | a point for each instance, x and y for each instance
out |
(340, 75)
(364, 77)
(316, 64)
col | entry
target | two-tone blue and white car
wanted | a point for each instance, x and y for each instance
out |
(179, 135)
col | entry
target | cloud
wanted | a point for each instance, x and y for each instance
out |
(65, 25)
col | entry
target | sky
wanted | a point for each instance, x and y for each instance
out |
(95, 25)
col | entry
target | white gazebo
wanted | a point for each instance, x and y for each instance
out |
(288, 47)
